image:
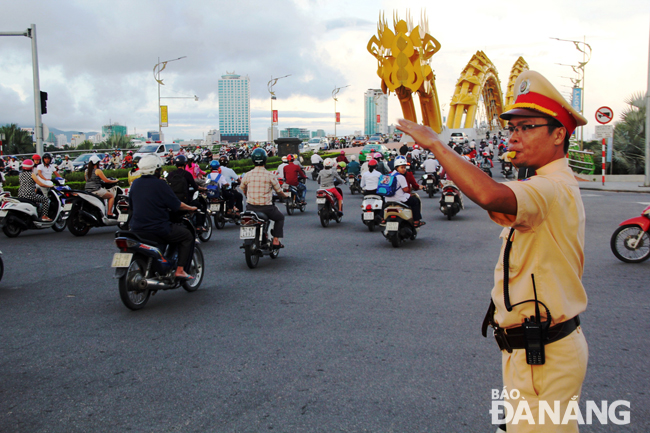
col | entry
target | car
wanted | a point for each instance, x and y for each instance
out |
(459, 138)
(359, 141)
(376, 137)
(158, 148)
(372, 148)
(315, 144)
(81, 161)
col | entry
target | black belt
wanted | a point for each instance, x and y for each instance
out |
(513, 338)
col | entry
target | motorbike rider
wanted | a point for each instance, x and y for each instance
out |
(228, 178)
(326, 180)
(181, 181)
(94, 176)
(151, 200)
(14, 166)
(128, 159)
(116, 160)
(403, 193)
(342, 158)
(431, 166)
(192, 167)
(66, 164)
(410, 178)
(354, 167)
(317, 161)
(382, 167)
(28, 183)
(292, 175)
(280, 168)
(258, 185)
(370, 179)
(45, 170)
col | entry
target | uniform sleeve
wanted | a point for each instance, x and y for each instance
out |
(535, 197)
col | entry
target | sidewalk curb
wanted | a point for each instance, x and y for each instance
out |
(597, 188)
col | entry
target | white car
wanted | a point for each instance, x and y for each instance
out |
(459, 137)
(315, 144)
(162, 150)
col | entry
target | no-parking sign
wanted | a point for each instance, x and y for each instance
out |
(604, 115)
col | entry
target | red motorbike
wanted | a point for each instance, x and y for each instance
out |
(328, 206)
(630, 242)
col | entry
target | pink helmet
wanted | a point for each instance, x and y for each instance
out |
(377, 155)
(28, 164)
(343, 152)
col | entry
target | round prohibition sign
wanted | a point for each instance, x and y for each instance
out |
(604, 115)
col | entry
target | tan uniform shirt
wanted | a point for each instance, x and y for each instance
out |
(548, 242)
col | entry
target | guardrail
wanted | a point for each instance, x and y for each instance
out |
(582, 161)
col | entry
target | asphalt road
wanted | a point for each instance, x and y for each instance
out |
(341, 333)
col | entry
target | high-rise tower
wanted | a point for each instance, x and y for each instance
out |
(234, 107)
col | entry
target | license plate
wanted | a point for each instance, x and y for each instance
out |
(247, 233)
(215, 207)
(124, 217)
(450, 199)
(121, 260)
(392, 227)
(321, 200)
(369, 216)
(429, 180)
(67, 207)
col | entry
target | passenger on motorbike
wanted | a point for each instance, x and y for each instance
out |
(403, 193)
(28, 183)
(382, 167)
(181, 181)
(326, 180)
(292, 175)
(94, 178)
(192, 167)
(342, 157)
(151, 200)
(258, 185)
(233, 197)
(280, 168)
(410, 178)
(354, 167)
(370, 179)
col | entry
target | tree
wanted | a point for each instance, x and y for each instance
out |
(86, 144)
(629, 136)
(16, 140)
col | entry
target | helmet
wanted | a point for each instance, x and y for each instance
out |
(36, 157)
(94, 159)
(284, 159)
(343, 152)
(223, 160)
(214, 165)
(28, 164)
(47, 155)
(130, 152)
(372, 163)
(353, 158)
(180, 161)
(431, 156)
(378, 155)
(415, 146)
(150, 163)
(290, 158)
(259, 156)
(190, 157)
(67, 156)
(399, 161)
(329, 162)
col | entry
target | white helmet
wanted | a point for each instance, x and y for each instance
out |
(400, 160)
(329, 162)
(353, 158)
(150, 163)
(431, 156)
(284, 159)
(94, 159)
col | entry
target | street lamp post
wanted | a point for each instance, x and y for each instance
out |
(581, 46)
(156, 76)
(335, 92)
(270, 85)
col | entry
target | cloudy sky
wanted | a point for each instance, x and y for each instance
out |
(97, 57)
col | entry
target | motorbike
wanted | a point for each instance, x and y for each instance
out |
(630, 242)
(372, 210)
(146, 264)
(255, 231)
(328, 206)
(314, 173)
(429, 183)
(219, 210)
(399, 223)
(87, 210)
(450, 201)
(506, 168)
(293, 202)
(18, 214)
(355, 183)
(486, 166)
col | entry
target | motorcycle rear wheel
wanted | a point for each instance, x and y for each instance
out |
(622, 249)
(430, 192)
(132, 299)
(11, 230)
(324, 218)
(219, 221)
(371, 226)
(75, 225)
(197, 268)
(252, 258)
(59, 225)
(394, 240)
(289, 207)
(205, 236)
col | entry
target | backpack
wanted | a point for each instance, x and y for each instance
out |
(387, 186)
(178, 184)
(213, 190)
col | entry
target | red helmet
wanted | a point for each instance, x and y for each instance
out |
(36, 156)
(28, 164)
(372, 163)
(290, 158)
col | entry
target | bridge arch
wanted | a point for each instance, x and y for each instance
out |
(520, 66)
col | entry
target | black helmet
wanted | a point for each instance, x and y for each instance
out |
(223, 160)
(180, 161)
(259, 156)
(47, 155)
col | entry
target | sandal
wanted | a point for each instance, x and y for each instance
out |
(418, 224)
(278, 246)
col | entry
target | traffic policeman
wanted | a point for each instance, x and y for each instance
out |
(538, 292)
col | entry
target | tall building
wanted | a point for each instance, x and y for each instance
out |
(234, 107)
(61, 140)
(375, 104)
(318, 133)
(113, 129)
(213, 137)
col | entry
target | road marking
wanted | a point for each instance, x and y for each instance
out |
(645, 203)
(591, 195)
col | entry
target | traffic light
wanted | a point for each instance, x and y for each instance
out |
(43, 102)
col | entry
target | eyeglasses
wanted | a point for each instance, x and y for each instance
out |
(524, 128)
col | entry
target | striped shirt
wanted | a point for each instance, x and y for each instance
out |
(258, 185)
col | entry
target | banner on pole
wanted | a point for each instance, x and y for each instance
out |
(275, 117)
(378, 118)
(163, 115)
(338, 117)
(576, 99)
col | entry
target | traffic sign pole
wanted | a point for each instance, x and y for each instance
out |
(604, 159)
